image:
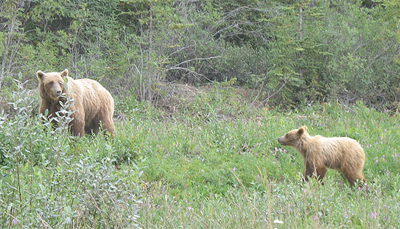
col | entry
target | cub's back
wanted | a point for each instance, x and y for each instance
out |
(343, 145)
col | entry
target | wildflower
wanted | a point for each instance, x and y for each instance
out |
(15, 221)
(373, 215)
(234, 169)
(278, 221)
(189, 209)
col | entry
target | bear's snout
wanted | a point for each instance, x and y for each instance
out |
(55, 93)
(280, 141)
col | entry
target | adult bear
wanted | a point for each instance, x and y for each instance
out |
(93, 105)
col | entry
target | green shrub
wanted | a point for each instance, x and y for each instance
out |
(50, 178)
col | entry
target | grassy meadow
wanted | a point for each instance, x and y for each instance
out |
(211, 161)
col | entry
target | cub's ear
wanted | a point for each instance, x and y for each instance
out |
(40, 75)
(64, 73)
(302, 130)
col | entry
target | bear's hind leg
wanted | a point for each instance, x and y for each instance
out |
(95, 127)
(110, 128)
(354, 178)
(106, 126)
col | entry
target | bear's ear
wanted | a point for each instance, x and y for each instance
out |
(40, 75)
(64, 73)
(302, 130)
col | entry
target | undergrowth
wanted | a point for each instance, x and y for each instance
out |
(50, 179)
(215, 163)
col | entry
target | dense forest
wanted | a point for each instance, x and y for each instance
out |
(290, 52)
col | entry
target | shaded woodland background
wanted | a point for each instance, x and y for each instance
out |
(289, 52)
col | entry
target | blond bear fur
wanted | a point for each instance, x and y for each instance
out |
(340, 153)
(93, 106)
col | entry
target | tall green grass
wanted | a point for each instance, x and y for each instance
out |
(214, 163)
(218, 171)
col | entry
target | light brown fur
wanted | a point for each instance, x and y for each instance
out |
(340, 153)
(93, 105)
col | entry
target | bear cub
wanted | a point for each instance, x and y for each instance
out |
(341, 153)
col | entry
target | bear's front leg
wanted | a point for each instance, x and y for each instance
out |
(313, 170)
(321, 172)
(308, 172)
(78, 128)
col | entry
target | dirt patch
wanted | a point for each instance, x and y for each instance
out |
(170, 96)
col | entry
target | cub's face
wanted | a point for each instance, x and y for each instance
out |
(52, 84)
(292, 137)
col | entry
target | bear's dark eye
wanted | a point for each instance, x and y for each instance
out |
(60, 82)
(51, 83)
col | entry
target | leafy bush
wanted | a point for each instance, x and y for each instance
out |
(50, 178)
